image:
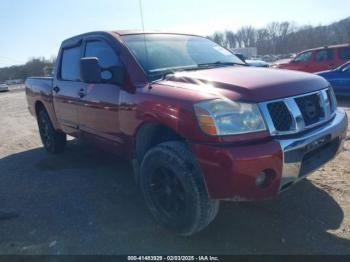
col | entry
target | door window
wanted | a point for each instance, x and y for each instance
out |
(106, 56)
(324, 55)
(70, 68)
(304, 57)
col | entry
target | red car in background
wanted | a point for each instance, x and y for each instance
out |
(318, 59)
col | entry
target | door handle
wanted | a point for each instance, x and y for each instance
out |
(56, 89)
(81, 93)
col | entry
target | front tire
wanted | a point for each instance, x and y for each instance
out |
(54, 141)
(174, 189)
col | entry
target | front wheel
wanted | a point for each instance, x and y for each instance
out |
(54, 141)
(174, 189)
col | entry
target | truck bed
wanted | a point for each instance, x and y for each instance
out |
(38, 88)
(44, 83)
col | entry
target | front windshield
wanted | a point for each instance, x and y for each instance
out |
(158, 53)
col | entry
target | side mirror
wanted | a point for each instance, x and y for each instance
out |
(90, 71)
(118, 75)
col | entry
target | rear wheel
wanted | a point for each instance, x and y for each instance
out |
(54, 141)
(174, 189)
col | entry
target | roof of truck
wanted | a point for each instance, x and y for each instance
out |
(74, 39)
(138, 31)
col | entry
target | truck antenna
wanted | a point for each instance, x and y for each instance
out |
(143, 30)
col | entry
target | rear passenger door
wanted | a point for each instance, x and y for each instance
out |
(99, 110)
(66, 86)
(324, 60)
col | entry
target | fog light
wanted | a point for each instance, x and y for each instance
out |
(261, 179)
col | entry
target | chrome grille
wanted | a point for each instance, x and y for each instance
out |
(310, 108)
(331, 97)
(280, 115)
(295, 114)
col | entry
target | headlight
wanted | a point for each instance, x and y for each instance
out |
(226, 117)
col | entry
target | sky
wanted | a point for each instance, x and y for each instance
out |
(33, 28)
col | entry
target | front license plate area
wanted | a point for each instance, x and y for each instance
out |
(317, 143)
(318, 154)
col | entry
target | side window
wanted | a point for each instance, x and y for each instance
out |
(324, 55)
(344, 53)
(303, 57)
(70, 68)
(103, 52)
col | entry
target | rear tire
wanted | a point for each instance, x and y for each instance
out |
(174, 189)
(54, 141)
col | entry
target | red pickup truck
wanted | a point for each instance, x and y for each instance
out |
(198, 125)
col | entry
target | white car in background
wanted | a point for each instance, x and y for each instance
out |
(253, 62)
(257, 63)
(4, 88)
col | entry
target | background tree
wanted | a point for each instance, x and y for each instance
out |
(285, 37)
(34, 67)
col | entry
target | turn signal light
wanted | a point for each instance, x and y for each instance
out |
(206, 122)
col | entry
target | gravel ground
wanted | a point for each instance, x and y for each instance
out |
(85, 202)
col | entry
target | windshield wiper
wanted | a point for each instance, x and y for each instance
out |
(164, 75)
(219, 63)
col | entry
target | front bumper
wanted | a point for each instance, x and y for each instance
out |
(230, 172)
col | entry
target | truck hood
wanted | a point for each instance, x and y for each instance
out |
(248, 83)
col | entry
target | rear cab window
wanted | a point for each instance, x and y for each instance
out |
(324, 55)
(70, 68)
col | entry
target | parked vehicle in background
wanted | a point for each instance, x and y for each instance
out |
(253, 62)
(198, 124)
(4, 87)
(318, 59)
(14, 81)
(257, 63)
(339, 78)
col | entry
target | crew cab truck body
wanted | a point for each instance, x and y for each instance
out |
(198, 125)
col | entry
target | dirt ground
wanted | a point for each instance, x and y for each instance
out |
(85, 202)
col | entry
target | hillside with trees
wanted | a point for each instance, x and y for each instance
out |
(34, 67)
(285, 37)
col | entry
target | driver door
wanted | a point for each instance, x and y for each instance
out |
(99, 110)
